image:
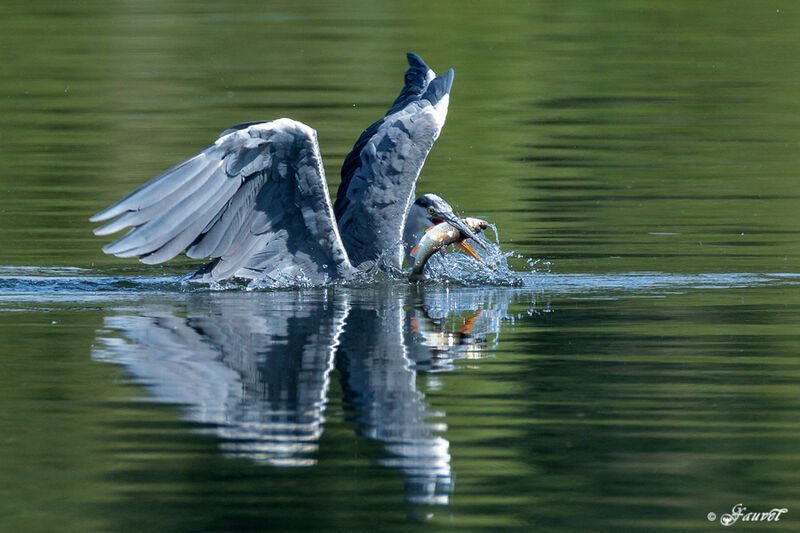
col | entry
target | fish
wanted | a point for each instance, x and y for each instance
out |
(439, 236)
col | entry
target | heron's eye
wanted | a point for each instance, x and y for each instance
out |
(431, 210)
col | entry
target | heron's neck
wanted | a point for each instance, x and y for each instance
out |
(416, 224)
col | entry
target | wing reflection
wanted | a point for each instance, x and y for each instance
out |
(255, 368)
(258, 375)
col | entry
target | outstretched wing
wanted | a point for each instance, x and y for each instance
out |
(256, 201)
(380, 174)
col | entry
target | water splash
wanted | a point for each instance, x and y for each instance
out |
(446, 266)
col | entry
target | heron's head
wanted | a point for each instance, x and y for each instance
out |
(431, 209)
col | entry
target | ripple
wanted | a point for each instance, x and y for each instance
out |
(71, 284)
(643, 282)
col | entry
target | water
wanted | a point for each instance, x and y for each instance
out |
(635, 366)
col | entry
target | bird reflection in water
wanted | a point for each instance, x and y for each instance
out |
(254, 369)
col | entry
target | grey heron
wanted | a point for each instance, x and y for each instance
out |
(256, 201)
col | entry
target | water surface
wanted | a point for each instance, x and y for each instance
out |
(639, 162)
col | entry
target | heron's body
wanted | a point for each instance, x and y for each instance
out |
(256, 201)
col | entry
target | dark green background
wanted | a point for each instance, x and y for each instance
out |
(605, 137)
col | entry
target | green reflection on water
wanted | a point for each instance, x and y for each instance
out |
(611, 137)
(640, 412)
(590, 134)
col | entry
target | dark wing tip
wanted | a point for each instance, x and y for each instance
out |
(438, 87)
(416, 81)
(448, 77)
(416, 77)
(414, 61)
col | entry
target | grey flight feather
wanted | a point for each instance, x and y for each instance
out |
(256, 202)
(380, 173)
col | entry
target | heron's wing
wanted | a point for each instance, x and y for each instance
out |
(379, 175)
(256, 201)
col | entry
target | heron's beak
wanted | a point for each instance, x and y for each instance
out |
(457, 223)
